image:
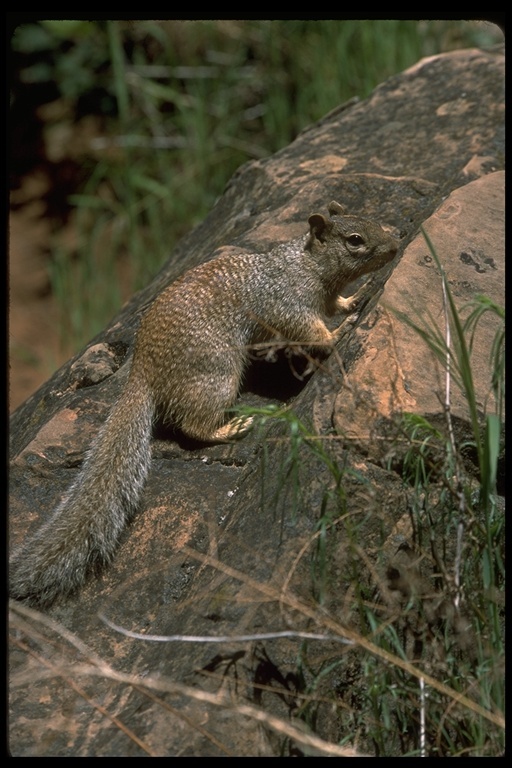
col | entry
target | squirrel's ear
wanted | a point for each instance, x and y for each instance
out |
(318, 225)
(335, 209)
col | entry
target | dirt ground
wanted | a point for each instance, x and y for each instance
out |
(45, 168)
(34, 348)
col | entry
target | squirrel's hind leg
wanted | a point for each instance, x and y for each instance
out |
(201, 415)
(233, 429)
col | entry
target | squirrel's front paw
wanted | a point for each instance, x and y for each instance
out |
(347, 305)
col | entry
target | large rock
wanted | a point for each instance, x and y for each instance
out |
(396, 371)
(219, 546)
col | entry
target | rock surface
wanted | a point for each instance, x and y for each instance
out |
(396, 371)
(219, 546)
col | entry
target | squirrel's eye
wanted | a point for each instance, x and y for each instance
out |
(355, 239)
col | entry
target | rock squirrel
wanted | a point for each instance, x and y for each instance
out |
(190, 354)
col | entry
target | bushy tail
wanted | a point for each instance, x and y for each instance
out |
(84, 531)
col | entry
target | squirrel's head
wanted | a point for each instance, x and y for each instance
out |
(361, 245)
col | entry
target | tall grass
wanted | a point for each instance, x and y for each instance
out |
(435, 602)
